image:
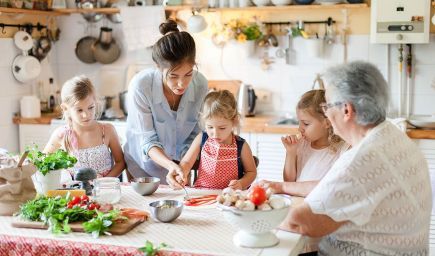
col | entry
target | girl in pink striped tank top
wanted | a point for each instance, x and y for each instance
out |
(225, 159)
(95, 145)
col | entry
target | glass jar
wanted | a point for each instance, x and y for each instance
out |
(107, 190)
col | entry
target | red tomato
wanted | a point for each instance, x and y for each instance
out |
(84, 198)
(92, 206)
(70, 205)
(258, 195)
(97, 206)
(75, 200)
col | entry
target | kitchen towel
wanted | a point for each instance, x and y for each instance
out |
(141, 25)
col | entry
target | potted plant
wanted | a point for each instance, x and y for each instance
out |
(244, 32)
(49, 166)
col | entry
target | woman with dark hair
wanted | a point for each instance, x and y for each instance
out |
(163, 107)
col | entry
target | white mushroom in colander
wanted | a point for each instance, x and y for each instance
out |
(277, 202)
(264, 207)
(249, 206)
(240, 204)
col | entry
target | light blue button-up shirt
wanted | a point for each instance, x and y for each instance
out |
(152, 123)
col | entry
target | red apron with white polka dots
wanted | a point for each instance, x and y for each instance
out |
(218, 165)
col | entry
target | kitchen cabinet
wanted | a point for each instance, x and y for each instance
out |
(38, 134)
(271, 154)
(428, 149)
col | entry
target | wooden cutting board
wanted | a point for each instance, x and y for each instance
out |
(116, 229)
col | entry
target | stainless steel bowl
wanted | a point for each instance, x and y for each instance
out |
(145, 185)
(166, 210)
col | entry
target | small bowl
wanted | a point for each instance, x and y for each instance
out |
(145, 185)
(304, 1)
(281, 2)
(166, 210)
(261, 2)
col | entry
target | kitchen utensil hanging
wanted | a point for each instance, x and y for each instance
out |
(106, 50)
(24, 67)
(84, 48)
(92, 17)
(41, 46)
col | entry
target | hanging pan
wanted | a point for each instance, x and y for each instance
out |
(84, 49)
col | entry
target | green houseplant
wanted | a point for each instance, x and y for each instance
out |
(49, 166)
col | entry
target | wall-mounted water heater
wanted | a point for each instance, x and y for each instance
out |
(400, 21)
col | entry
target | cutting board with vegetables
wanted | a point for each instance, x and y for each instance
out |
(116, 229)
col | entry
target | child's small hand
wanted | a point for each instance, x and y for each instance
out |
(235, 184)
(276, 186)
(290, 142)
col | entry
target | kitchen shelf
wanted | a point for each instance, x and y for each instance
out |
(293, 7)
(68, 11)
(60, 12)
(4, 10)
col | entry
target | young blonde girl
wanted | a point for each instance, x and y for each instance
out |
(96, 145)
(225, 159)
(310, 154)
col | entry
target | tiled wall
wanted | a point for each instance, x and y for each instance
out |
(286, 82)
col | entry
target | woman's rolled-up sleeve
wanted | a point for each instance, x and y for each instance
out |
(141, 124)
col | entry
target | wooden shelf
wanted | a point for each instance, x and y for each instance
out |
(28, 12)
(97, 10)
(60, 12)
(293, 7)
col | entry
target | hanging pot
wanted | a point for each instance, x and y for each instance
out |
(25, 68)
(84, 49)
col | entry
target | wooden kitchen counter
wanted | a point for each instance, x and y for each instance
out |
(261, 124)
(44, 119)
(257, 124)
(421, 134)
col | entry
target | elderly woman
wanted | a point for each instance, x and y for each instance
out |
(376, 199)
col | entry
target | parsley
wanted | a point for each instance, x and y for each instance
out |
(51, 161)
(101, 223)
(150, 250)
(54, 213)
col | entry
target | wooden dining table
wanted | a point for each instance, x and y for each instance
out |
(200, 230)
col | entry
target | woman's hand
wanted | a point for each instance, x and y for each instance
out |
(276, 186)
(290, 143)
(176, 177)
(235, 184)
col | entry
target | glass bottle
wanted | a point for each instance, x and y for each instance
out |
(107, 190)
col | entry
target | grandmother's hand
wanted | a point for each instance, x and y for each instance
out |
(176, 177)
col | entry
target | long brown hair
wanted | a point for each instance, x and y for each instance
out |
(310, 102)
(76, 89)
(174, 48)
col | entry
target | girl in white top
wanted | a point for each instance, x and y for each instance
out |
(310, 154)
(95, 145)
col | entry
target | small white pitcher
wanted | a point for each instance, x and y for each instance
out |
(50, 181)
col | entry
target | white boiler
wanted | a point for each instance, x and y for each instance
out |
(400, 21)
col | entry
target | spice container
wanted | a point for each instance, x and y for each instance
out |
(107, 190)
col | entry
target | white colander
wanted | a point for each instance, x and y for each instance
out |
(255, 226)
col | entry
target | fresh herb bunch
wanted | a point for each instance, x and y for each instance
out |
(150, 250)
(51, 161)
(101, 223)
(55, 213)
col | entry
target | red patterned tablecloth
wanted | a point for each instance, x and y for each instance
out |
(25, 246)
(198, 231)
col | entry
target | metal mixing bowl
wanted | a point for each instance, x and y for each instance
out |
(166, 210)
(145, 185)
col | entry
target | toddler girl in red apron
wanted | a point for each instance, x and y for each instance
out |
(225, 159)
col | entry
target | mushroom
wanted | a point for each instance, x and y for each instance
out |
(85, 175)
